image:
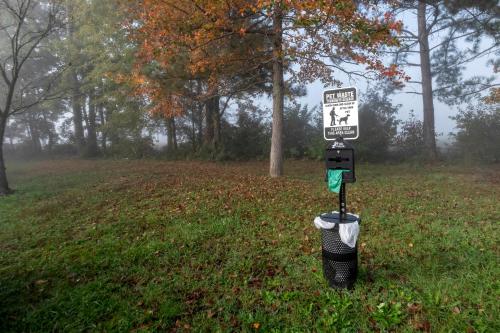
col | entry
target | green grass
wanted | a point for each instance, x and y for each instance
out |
(174, 246)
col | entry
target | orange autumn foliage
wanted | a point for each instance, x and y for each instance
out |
(217, 40)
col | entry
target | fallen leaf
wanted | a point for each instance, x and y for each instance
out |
(423, 326)
(414, 308)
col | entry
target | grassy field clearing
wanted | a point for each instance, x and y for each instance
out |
(188, 246)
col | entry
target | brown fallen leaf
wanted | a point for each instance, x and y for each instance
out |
(414, 308)
(423, 326)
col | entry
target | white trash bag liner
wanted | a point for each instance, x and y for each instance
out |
(349, 232)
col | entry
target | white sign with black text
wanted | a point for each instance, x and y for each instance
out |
(340, 113)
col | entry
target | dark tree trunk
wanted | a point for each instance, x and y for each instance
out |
(92, 149)
(112, 136)
(199, 125)
(209, 125)
(84, 113)
(4, 184)
(35, 138)
(427, 97)
(34, 134)
(50, 133)
(174, 129)
(51, 141)
(213, 122)
(276, 158)
(216, 119)
(76, 100)
(171, 134)
(193, 128)
(102, 120)
(199, 115)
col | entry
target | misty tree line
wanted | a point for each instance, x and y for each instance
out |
(245, 134)
(67, 88)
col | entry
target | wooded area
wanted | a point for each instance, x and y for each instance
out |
(108, 78)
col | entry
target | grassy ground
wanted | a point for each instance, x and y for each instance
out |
(158, 246)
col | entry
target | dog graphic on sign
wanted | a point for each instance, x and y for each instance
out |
(344, 119)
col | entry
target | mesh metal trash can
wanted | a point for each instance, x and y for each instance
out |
(340, 262)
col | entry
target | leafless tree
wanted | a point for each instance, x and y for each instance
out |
(25, 26)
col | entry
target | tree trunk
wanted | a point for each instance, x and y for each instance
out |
(51, 141)
(216, 122)
(34, 135)
(209, 125)
(4, 184)
(102, 120)
(75, 85)
(276, 158)
(51, 136)
(213, 122)
(199, 115)
(33, 131)
(193, 127)
(199, 125)
(92, 149)
(171, 134)
(425, 68)
(77, 114)
(174, 130)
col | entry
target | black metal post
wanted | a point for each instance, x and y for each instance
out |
(342, 201)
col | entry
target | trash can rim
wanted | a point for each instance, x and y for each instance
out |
(334, 218)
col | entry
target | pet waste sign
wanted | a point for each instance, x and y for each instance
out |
(340, 113)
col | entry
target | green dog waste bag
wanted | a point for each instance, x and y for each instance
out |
(335, 179)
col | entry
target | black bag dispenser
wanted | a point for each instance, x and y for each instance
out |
(340, 155)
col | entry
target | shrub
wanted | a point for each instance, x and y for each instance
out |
(478, 136)
(378, 126)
